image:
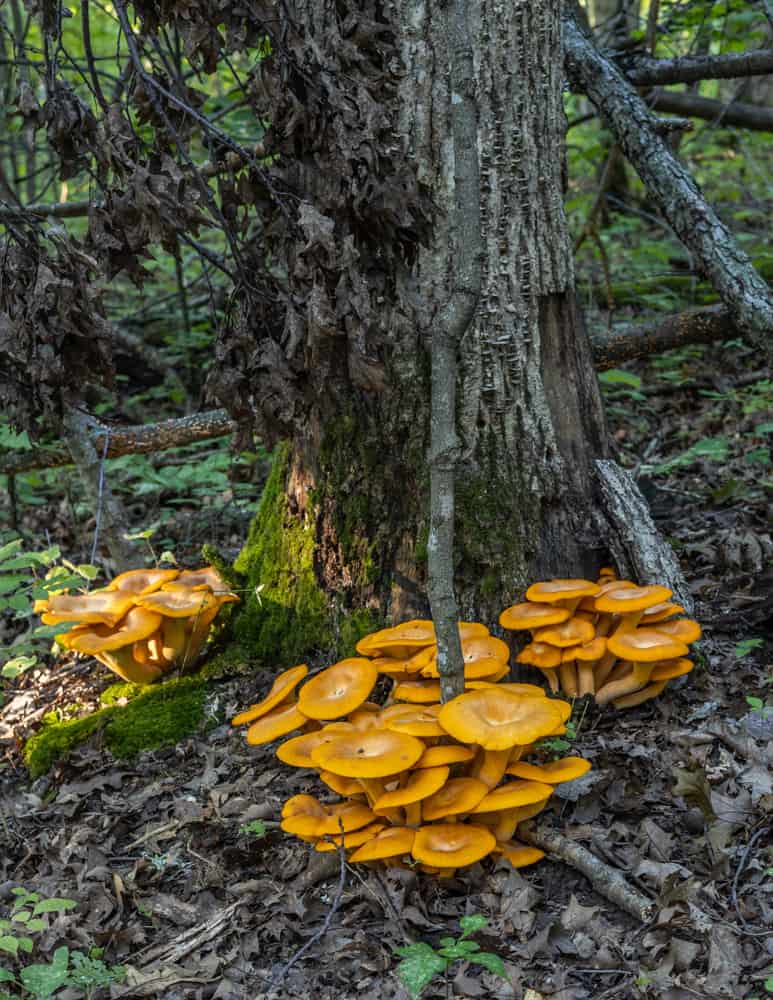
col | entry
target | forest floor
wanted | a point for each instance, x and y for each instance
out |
(172, 883)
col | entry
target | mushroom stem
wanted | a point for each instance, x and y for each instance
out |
(507, 824)
(604, 668)
(605, 622)
(627, 623)
(621, 669)
(413, 814)
(489, 766)
(630, 684)
(638, 697)
(373, 788)
(568, 675)
(552, 679)
(586, 678)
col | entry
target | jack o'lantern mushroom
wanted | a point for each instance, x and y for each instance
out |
(339, 690)
(281, 689)
(452, 845)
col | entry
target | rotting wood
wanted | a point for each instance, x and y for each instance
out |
(607, 881)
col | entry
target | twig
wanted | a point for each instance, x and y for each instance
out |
(100, 496)
(741, 865)
(607, 881)
(277, 979)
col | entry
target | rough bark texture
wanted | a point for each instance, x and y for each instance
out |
(735, 113)
(344, 521)
(647, 71)
(670, 185)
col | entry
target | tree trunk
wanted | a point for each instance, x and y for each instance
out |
(340, 541)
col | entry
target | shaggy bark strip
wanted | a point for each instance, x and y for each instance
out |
(607, 881)
(669, 184)
(640, 552)
(447, 333)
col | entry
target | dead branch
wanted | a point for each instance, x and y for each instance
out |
(736, 113)
(639, 550)
(694, 326)
(138, 440)
(670, 184)
(644, 71)
(607, 881)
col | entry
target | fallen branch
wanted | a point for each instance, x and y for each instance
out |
(607, 881)
(138, 440)
(694, 326)
(736, 113)
(670, 185)
(646, 71)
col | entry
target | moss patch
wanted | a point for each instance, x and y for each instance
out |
(353, 627)
(156, 717)
(285, 612)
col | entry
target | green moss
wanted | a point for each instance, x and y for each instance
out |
(119, 692)
(228, 573)
(155, 717)
(353, 627)
(285, 612)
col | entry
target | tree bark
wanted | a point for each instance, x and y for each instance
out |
(736, 113)
(646, 71)
(343, 523)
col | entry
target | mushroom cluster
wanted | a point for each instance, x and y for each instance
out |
(437, 786)
(145, 621)
(612, 639)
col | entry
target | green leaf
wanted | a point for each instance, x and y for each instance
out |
(10, 547)
(616, 376)
(764, 428)
(43, 980)
(745, 646)
(6, 976)
(87, 571)
(36, 924)
(26, 944)
(419, 967)
(9, 943)
(22, 916)
(8, 584)
(459, 949)
(491, 962)
(472, 924)
(54, 905)
(18, 665)
(756, 703)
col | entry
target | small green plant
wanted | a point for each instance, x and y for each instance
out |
(746, 646)
(256, 829)
(41, 979)
(24, 577)
(421, 962)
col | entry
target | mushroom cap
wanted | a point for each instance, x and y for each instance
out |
(139, 582)
(341, 785)
(101, 607)
(513, 795)
(352, 839)
(444, 753)
(661, 612)
(196, 579)
(552, 773)
(452, 845)
(374, 753)
(297, 751)
(415, 720)
(390, 843)
(672, 668)
(489, 666)
(684, 629)
(497, 719)
(486, 647)
(458, 795)
(338, 690)
(420, 785)
(540, 654)
(137, 624)
(587, 653)
(182, 603)
(530, 616)
(550, 591)
(278, 722)
(283, 685)
(527, 690)
(625, 600)
(394, 668)
(519, 855)
(407, 636)
(304, 816)
(417, 692)
(645, 645)
(573, 632)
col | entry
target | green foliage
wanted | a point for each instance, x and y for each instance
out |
(27, 919)
(421, 962)
(26, 576)
(157, 717)
(745, 646)
(256, 829)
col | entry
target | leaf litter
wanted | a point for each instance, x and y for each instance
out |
(171, 884)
